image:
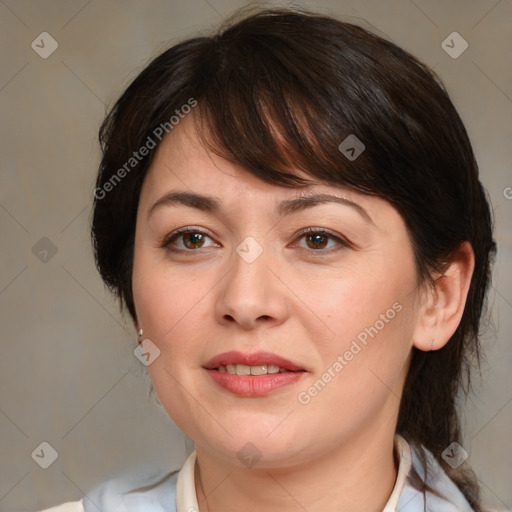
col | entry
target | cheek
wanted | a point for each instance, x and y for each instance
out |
(168, 304)
(370, 325)
(167, 298)
(354, 301)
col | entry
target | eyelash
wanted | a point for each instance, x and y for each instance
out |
(343, 243)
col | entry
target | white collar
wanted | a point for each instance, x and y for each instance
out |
(186, 497)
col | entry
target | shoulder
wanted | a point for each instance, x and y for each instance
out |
(444, 495)
(142, 490)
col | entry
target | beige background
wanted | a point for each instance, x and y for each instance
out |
(67, 372)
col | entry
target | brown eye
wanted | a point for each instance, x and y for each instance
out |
(193, 240)
(318, 241)
(185, 240)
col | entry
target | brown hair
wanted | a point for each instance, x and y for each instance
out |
(280, 90)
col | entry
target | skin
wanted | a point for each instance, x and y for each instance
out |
(296, 300)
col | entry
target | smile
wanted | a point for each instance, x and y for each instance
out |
(243, 369)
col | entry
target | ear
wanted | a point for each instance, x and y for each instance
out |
(442, 304)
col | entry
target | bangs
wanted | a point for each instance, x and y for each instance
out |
(275, 118)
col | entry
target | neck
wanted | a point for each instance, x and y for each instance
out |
(338, 480)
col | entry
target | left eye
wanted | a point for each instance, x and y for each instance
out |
(317, 239)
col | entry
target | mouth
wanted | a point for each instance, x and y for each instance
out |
(253, 374)
(261, 369)
(259, 363)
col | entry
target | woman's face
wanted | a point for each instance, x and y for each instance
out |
(341, 307)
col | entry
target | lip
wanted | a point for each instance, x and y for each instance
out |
(253, 385)
(255, 359)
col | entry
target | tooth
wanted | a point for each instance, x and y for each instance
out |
(243, 369)
(259, 370)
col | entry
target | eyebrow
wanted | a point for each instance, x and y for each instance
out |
(213, 205)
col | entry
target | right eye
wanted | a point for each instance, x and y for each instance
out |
(192, 239)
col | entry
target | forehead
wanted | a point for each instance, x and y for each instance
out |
(183, 157)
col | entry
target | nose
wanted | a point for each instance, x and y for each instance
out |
(252, 293)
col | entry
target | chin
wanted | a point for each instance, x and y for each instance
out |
(252, 448)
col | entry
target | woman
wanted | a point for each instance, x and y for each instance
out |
(291, 212)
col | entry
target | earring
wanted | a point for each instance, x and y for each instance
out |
(140, 332)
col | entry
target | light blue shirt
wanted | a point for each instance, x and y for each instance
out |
(175, 491)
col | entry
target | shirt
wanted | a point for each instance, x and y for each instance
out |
(175, 492)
